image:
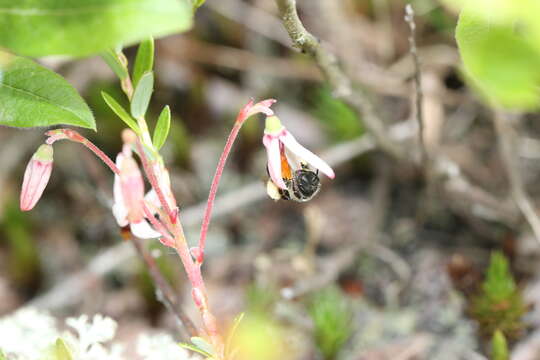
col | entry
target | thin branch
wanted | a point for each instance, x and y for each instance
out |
(419, 95)
(164, 292)
(339, 82)
(507, 139)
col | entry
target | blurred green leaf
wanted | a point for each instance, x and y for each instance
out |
(31, 95)
(500, 305)
(162, 128)
(499, 347)
(111, 58)
(338, 119)
(62, 351)
(228, 344)
(144, 62)
(120, 111)
(203, 345)
(196, 349)
(331, 316)
(198, 3)
(142, 95)
(81, 28)
(500, 60)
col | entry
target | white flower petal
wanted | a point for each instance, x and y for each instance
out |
(290, 142)
(120, 214)
(271, 142)
(143, 230)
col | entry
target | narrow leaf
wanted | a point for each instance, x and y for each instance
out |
(162, 128)
(111, 58)
(142, 94)
(62, 351)
(499, 346)
(82, 28)
(198, 3)
(120, 111)
(203, 345)
(32, 95)
(196, 349)
(144, 62)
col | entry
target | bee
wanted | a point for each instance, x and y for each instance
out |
(302, 184)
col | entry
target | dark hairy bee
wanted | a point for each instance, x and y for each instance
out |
(302, 187)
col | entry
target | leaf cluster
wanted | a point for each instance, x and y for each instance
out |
(499, 305)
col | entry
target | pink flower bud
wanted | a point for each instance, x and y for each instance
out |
(37, 174)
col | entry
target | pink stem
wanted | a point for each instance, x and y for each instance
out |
(152, 178)
(69, 134)
(215, 183)
(158, 225)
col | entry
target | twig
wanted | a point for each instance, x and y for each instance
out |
(164, 292)
(409, 18)
(339, 82)
(508, 148)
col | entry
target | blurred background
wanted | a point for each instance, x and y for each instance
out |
(382, 264)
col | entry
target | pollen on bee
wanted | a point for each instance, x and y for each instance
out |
(272, 190)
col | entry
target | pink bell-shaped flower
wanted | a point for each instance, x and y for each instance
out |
(37, 174)
(128, 191)
(277, 140)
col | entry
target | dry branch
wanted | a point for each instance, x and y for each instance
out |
(338, 81)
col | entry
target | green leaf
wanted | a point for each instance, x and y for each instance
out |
(501, 59)
(196, 349)
(198, 3)
(162, 128)
(112, 59)
(31, 95)
(499, 347)
(232, 332)
(120, 112)
(142, 94)
(62, 351)
(203, 345)
(144, 61)
(81, 28)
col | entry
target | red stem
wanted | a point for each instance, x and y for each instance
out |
(69, 134)
(152, 178)
(215, 183)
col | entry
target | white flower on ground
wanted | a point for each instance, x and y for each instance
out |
(161, 347)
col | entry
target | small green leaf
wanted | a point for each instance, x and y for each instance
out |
(111, 58)
(120, 112)
(82, 28)
(203, 345)
(196, 349)
(162, 128)
(32, 95)
(232, 331)
(62, 351)
(144, 62)
(198, 3)
(499, 347)
(142, 95)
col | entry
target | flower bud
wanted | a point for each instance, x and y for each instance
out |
(37, 174)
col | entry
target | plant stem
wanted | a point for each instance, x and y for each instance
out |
(215, 184)
(165, 293)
